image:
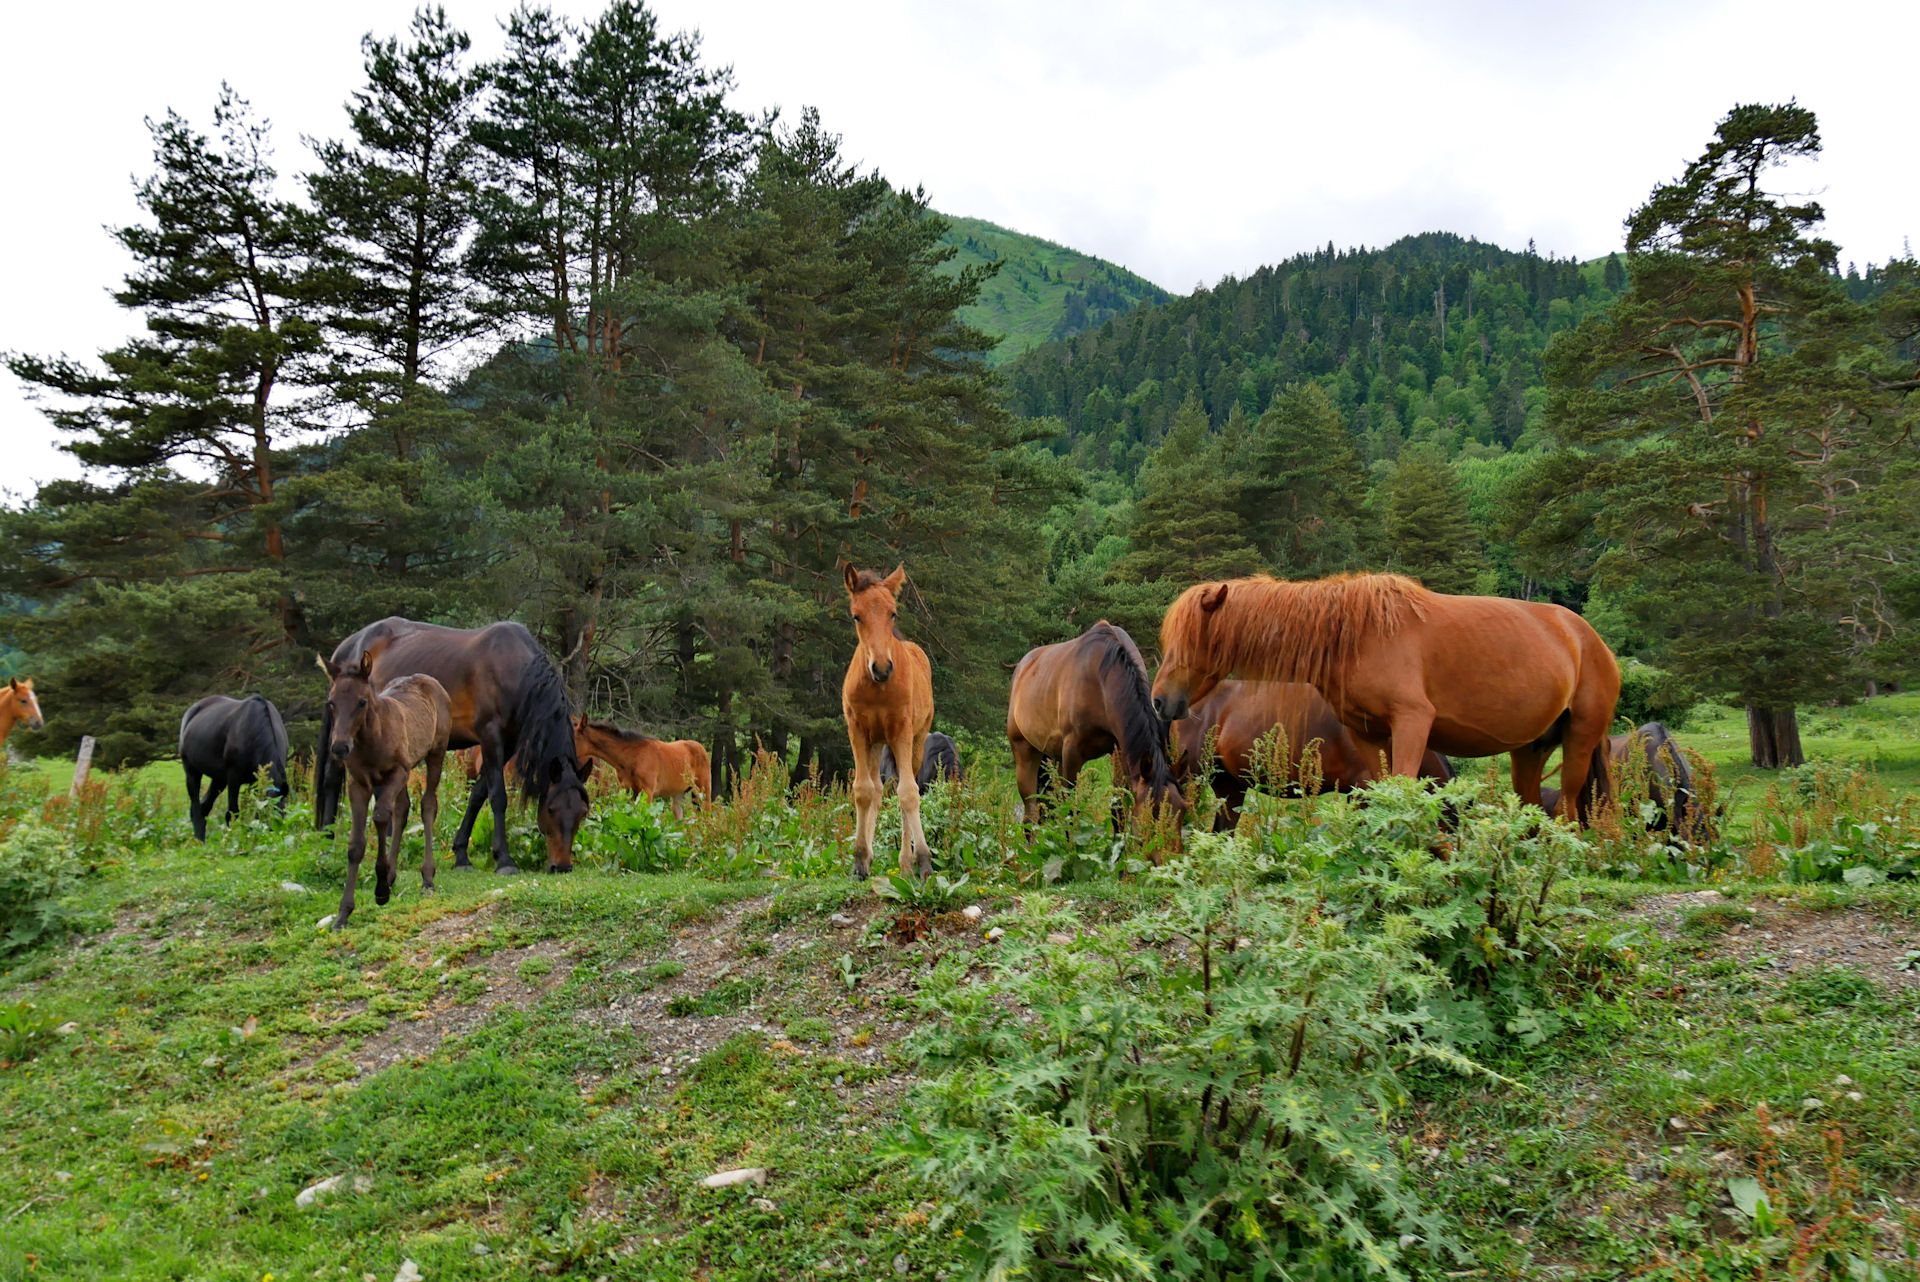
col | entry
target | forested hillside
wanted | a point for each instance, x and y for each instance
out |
(1042, 291)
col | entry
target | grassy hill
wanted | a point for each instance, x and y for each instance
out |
(1045, 291)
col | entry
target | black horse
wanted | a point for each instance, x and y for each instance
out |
(1669, 782)
(508, 698)
(940, 759)
(231, 741)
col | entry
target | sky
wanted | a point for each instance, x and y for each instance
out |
(1186, 142)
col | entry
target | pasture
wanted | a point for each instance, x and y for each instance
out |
(1677, 1066)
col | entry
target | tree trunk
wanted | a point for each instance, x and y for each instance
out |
(1774, 736)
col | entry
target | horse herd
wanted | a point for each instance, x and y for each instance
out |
(1319, 685)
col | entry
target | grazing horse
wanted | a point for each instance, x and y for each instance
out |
(1076, 701)
(230, 741)
(1407, 670)
(1239, 715)
(377, 736)
(940, 760)
(16, 705)
(1669, 780)
(643, 763)
(887, 698)
(508, 698)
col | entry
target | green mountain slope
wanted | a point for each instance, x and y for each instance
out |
(1044, 291)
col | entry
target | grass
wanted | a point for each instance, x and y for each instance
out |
(219, 1065)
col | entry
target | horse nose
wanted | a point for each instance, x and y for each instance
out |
(879, 674)
(337, 750)
(1160, 706)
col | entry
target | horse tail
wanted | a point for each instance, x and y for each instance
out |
(543, 724)
(1145, 735)
(326, 783)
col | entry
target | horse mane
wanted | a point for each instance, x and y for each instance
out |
(1142, 733)
(543, 719)
(1270, 629)
(625, 736)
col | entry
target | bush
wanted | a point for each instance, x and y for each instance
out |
(37, 867)
(1650, 694)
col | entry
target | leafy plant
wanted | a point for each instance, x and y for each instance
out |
(24, 1029)
(37, 867)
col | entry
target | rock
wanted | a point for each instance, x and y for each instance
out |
(1855, 1096)
(481, 1248)
(211, 1061)
(995, 935)
(307, 1196)
(1682, 1075)
(363, 1184)
(746, 1175)
(1843, 1080)
(293, 888)
(973, 912)
(409, 1272)
(900, 1264)
(766, 1204)
(63, 1176)
(840, 921)
(67, 1029)
(1502, 1181)
(1809, 1103)
(498, 893)
(1059, 937)
(326, 921)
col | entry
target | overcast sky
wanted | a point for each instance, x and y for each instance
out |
(1184, 141)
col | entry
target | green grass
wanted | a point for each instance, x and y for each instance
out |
(1882, 733)
(1026, 308)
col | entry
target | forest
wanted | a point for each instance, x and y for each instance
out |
(573, 337)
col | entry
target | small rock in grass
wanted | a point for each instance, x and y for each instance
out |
(1502, 1181)
(1843, 1080)
(840, 921)
(363, 1184)
(293, 888)
(1059, 937)
(409, 1272)
(67, 1029)
(766, 1204)
(746, 1175)
(973, 912)
(63, 1176)
(995, 935)
(307, 1196)
(481, 1248)
(326, 921)
(900, 1264)
(1855, 1096)
(1682, 1075)
(1809, 1103)
(1677, 1123)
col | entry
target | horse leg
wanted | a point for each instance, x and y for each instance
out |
(866, 803)
(913, 838)
(391, 832)
(1583, 763)
(233, 796)
(497, 792)
(357, 796)
(679, 803)
(429, 813)
(1026, 769)
(1529, 764)
(1411, 726)
(195, 813)
(463, 835)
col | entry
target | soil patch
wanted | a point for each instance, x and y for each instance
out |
(1780, 939)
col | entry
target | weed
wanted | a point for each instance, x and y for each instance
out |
(1709, 921)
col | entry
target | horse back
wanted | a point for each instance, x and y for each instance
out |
(425, 715)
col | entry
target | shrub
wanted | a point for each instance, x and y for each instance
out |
(37, 867)
(1649, 694)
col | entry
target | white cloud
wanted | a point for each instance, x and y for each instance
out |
(1184, 141)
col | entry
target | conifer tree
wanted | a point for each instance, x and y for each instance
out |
(1429, 532)
(1304, 487)
(1188, 526)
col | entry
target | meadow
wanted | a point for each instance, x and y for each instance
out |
(1500, 1049)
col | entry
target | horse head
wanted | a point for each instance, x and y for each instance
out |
(349, 694)
(871, 601)
(25, 707)
(563, 808)
(1188, 670)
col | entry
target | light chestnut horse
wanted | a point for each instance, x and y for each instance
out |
(18, 704)
(644, 764)
(1407, 670)
(377, 737)
(887, 698)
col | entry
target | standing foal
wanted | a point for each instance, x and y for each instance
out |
(887, 699)
(380, 736)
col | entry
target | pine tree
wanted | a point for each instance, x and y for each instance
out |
(1729, 430)
(1430, 534)
(1187, 526)
(1614, 274)
(1303, 487)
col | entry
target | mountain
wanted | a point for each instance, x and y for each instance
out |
(1044, 291)
(1435, 338)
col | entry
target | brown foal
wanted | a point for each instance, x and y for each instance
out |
(887, 698)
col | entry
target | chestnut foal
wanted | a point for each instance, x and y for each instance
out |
(379, 736)
(887, 699)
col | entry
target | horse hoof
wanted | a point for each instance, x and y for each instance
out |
(507, 869)
(559, 868)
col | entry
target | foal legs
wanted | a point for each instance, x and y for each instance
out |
(358, 795)
(390, 830)
(913, 838)
(866, 803)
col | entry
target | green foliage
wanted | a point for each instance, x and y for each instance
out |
(1429, 533)
(37, 870)
(1186, 526)
(25, 1030)
(1648, 694)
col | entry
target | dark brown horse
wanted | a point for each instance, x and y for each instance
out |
(1243, 717)
(887, 698)
(669, 769)
(1407, 670)
(508, 698)
(230, 741)
(377, 737)
(1669, 781)
(1076, 701)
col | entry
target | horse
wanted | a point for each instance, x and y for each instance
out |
(886, 698)
(17, 705)
(230, 741)
(1239, 715)
(1076, 701)
(941, 761)
(1669, 780)
(507, 698)
(376, 736)
(1406, 669)
(643, 763)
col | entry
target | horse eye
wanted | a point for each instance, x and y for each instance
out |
(362, 703)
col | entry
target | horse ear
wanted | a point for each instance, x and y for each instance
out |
(13, 683)
(366, 663)
(1214, 597)
(898, 577)
(853, 577)
(586, 771)
(327, 666)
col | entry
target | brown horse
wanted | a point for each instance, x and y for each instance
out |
(1076, 701)
(377, 736)
(18, 704)
(1407, 670)
(1239, 715)
(645, 764)
(887, 698)
(507, 698)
